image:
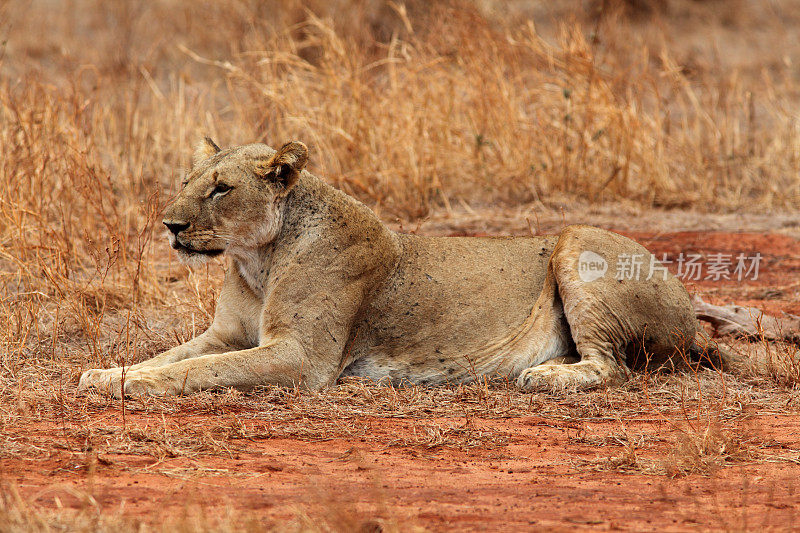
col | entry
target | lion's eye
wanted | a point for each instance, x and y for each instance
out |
(221, 189)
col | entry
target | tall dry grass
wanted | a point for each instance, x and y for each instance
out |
(411, 107)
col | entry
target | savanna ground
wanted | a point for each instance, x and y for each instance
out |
(673, 121)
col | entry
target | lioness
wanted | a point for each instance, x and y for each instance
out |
(318, 289)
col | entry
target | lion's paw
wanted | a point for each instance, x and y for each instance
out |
(135, 383)
(150, 384)
(546, 378)
(578, 376)
(98, 378)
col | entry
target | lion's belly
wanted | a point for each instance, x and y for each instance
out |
(450, 302)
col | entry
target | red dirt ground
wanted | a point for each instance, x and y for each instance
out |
(547, 474)
(777, 289)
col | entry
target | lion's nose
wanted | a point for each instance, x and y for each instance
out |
(176, 227)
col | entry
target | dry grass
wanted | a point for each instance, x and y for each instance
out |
(775, 362)
(413, 108)
(707, 419)
(433, 419)
(325, 515)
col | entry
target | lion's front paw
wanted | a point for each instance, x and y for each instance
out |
(98, 378)
(148, 384)
(135, 383)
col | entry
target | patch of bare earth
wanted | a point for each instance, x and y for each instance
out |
(548, 472)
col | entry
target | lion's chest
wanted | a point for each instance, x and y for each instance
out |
(253, 266)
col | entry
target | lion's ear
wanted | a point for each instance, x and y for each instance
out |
(285, 166)
(205, 149)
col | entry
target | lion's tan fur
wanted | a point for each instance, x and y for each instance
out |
(318, 288)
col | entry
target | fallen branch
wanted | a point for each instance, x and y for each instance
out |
(748, 322)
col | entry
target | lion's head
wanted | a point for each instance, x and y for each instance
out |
(232, 198)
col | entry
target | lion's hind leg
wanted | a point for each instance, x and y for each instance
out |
(582, 317)
(608, 313)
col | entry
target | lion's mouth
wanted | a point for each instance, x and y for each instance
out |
(182, 248)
